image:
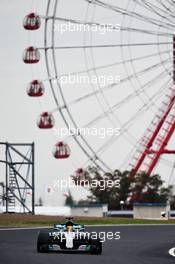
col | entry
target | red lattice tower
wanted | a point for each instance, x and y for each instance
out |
(155, 140)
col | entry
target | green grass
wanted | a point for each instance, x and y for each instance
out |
(34, 221)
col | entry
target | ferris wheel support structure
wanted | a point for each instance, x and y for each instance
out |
(154, 142)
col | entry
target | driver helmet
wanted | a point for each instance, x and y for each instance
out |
(69, 226)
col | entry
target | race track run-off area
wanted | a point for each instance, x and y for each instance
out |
(137, 245)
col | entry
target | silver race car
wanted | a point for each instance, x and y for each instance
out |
(68, 237)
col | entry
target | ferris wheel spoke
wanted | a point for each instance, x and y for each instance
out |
(130, 97)
(131, 14)
(107, 46)
(106, 26)
(84, 23)
(125, 128)
(148, 32)
(137, 31)
(168, 8)
(126, 125)
(165, 7)
(150, 68)
(171, 2)
(143, 109)
(135, 59)
(151, 7)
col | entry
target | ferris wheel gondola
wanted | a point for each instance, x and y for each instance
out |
(35, 88)
(31, 55)
(61, 150)
(32, 22)
(46, 121)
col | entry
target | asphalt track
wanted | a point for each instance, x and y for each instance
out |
(138, 245)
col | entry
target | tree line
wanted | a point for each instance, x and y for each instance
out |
(138, 189)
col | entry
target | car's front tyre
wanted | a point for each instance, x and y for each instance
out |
(96, 247)
(42, 242)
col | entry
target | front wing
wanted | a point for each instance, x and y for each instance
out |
(80, 248)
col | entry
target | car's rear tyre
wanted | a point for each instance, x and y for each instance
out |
(42, 242)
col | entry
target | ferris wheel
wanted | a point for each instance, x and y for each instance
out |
(109, 74)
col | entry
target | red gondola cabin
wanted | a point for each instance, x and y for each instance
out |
(46, 121)
(80, 177)
(31, 55)
(32, 22)
(79, 173)
(61, 151)
(35, 88)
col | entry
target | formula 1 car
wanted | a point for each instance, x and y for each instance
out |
(68, 237)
